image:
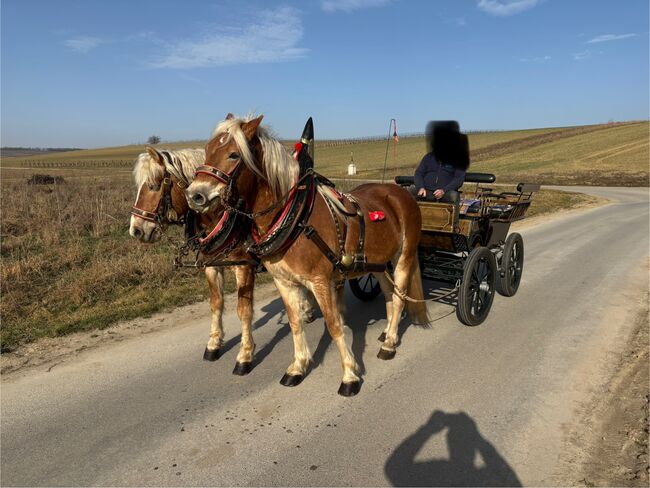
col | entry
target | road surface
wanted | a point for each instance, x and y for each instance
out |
(495, 404)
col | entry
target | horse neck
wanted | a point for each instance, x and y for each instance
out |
(179, 200)
(262, 198)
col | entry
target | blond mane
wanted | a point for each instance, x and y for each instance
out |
(180, 163)
(280, 169)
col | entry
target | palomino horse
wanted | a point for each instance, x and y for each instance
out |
(245, 162)
(161, 177)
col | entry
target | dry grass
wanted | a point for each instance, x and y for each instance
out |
(68, 263)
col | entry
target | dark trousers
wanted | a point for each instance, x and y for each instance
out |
(450, 196)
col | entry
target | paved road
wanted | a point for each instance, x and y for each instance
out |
(494, 404)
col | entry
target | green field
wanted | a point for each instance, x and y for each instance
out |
(607, 154)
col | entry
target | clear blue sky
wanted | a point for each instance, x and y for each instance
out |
(97, 73)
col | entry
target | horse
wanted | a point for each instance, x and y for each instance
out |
(161, 178)
(244, 161)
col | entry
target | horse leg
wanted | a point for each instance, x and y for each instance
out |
(215, 283)
(307, 306)
(293, 297)
(401, 277)
(387, 290)
(340, 297)
(245, 276)
(327, 297)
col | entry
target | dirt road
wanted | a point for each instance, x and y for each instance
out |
(507, 402)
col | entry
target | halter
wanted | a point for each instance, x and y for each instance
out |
(164, 211)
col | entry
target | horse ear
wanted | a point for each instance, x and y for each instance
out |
(250, 127)
(155, 155)
(230, 116)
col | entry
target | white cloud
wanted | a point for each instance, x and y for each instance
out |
(586, 54)
(270, 37)
(350, 5)
(609, 37)
(83, 44)
(503, 8)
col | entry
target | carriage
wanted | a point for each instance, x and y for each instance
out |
(467, 245)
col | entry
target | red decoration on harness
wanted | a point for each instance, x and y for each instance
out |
(298, 149)
(376, 215)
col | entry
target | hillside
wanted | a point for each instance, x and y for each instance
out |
(607, 154)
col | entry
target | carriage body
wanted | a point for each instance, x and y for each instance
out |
(467, 244)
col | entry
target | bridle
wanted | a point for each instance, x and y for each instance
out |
(164, 211)
(229, 179)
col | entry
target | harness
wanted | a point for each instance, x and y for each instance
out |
(292, 220)
(164, 211)
(345, 263)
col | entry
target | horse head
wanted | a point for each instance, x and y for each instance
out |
(160, 200)
(233, 158)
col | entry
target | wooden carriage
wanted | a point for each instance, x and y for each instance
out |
(467, 244)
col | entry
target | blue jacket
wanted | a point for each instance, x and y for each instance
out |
(433, 175)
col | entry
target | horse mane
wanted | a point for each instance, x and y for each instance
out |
(280, 169)
(181, 163)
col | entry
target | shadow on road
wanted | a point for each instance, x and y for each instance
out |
(465, 445)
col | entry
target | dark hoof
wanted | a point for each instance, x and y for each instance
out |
(291, 380)
(385, 354)
(349, 389)
(242, 369)
(310, 317)
(209, 355)
(382, 337)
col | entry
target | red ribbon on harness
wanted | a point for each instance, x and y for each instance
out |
(298, 147)
(376, 215)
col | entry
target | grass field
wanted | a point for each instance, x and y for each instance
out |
(608, 154)
(68, 263)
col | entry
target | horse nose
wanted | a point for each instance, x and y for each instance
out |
(137, 233)
(199, 199)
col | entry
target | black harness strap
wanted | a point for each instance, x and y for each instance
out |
(312, 234)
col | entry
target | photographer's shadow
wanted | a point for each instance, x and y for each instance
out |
(464, 442)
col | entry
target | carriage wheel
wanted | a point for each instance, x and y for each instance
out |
(365, 288)
(476, 291)
(512, 265)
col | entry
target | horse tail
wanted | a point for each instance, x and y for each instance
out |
(417, 309)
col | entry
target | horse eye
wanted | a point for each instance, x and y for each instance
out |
(154, 187)
(234, 155)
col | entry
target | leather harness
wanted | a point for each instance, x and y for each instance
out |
(293, 218)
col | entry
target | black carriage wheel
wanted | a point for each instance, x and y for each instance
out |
(365, 288)
(512, 265)
(476, 290)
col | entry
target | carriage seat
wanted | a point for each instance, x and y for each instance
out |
(469, 178)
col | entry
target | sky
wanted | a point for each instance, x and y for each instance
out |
(96, 73)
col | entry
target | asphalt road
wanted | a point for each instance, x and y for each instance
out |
(493, 404)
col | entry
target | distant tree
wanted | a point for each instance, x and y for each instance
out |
(153, 140)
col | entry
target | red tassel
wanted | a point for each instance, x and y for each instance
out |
(298, 147)
(376, 215)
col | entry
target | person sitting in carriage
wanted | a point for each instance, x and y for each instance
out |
(441, 172)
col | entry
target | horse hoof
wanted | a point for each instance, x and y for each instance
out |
(349, 389)
(382, 337)
(211, 355)
(291, 379)
(385, 354)
(242, 369)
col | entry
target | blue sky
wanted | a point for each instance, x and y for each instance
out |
(98, 73)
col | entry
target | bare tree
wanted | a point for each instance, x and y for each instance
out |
(153, 140)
